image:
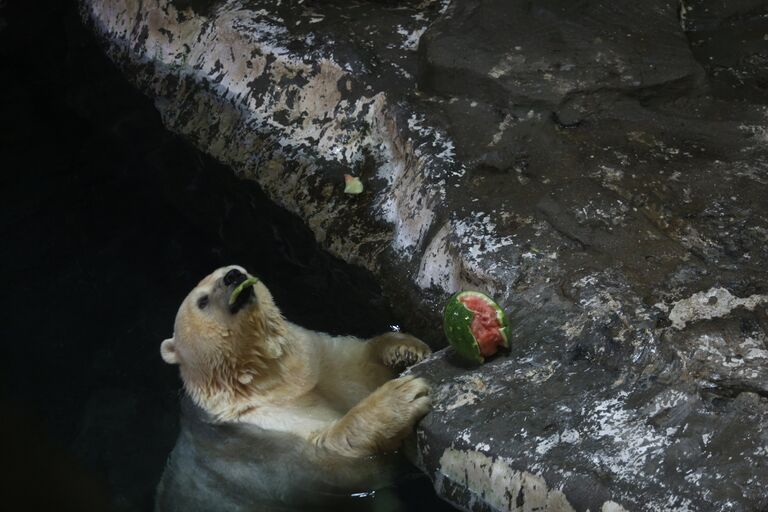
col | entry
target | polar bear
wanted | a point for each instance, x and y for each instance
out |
(336, 397)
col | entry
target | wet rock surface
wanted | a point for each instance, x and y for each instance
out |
(600, 168)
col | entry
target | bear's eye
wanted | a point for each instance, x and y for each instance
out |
(202, 302)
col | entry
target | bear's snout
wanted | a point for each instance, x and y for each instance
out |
(234, 277)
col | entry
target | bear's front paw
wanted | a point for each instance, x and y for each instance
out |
(401, 403)
(411, 397)
(389, 414)
(399, 351)
(380, 422)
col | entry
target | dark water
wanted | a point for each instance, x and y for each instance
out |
(108, 221)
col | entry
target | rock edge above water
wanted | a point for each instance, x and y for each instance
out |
(600, 170)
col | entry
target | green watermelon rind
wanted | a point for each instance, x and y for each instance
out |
(250, 281)
(457, 322)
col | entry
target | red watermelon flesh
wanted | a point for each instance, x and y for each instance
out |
(485, 325)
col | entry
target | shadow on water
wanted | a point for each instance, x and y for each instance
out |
(240, 467)
(108, 221)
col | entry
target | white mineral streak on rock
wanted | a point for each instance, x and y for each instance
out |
(465, 390)
(666, 400)
(437, 266)
(546, 444)
(629, 442)
(437, 138)
(760, 133)
(715, 358)
(600, 304)
(503, 125)
(612, 506)
(482, 447)
(494, 483)
(408, 173)
(481, 260)
(569, 436)
(411, 39)
(614, 425)
(461, 400)
(714, 303)
(311, 119)
(505, 65)
(305, 115)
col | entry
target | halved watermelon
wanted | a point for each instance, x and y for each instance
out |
(475, 325)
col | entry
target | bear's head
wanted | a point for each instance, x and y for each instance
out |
(226, 351)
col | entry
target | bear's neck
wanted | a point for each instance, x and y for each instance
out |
(262, 375)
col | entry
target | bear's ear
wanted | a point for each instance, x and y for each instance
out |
(168, 351)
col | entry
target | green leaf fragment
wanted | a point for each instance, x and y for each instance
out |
(250, 281)
(352, 185)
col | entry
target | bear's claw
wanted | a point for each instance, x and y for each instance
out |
(403, 356)
(399, 351)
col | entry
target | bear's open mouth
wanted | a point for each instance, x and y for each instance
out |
(240, 287)
(243, 298)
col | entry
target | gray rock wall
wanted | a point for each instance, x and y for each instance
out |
(598, 167)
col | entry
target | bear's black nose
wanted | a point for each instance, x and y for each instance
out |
(234, 276)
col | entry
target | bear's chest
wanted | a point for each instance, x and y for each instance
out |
(306, 415)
